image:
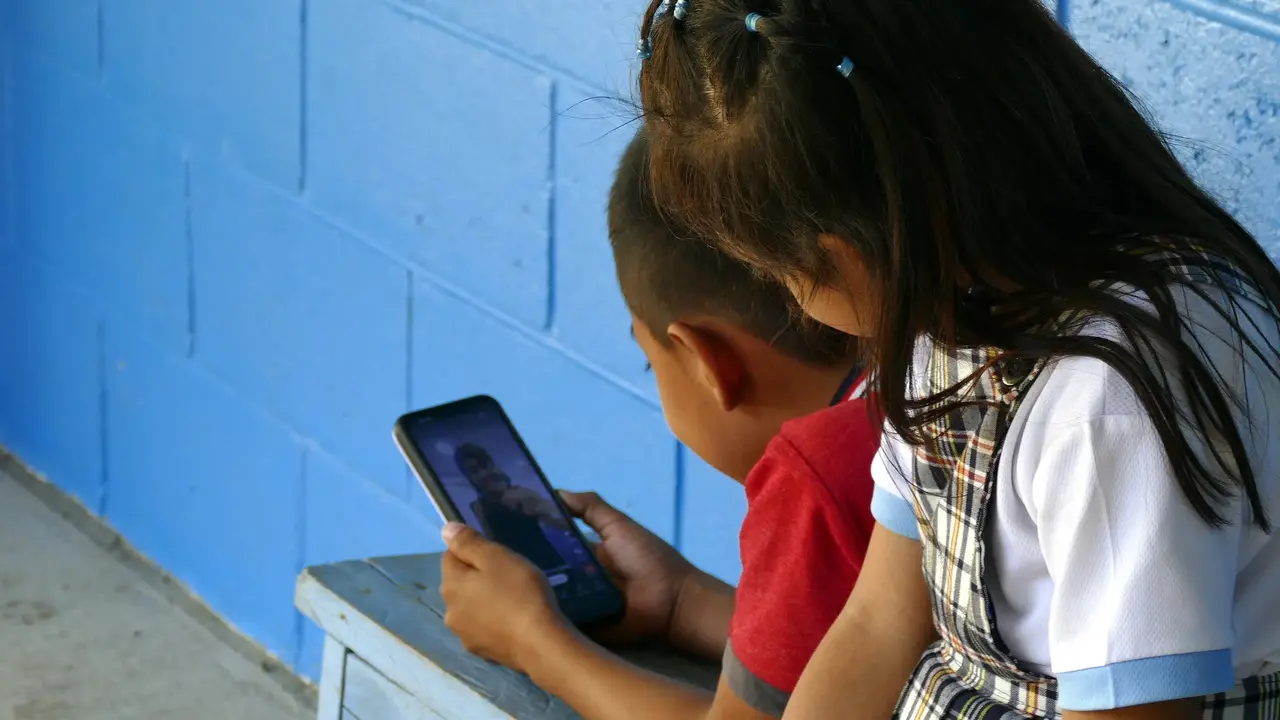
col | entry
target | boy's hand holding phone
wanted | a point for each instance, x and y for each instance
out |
(502, 608)
(477, 471)
(498, 603)
(650, 573)
(521, 572)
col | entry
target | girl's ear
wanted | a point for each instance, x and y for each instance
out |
(850, 303)
(713, 360)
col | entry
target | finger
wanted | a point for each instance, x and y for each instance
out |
(453, 577)
(575, 501)
(610, 567)
(467, 545)
(602, 554)
(452, 567)
(592, 509)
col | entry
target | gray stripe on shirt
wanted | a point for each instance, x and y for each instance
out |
(752, 690)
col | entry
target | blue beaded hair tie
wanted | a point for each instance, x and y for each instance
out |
(679, 10)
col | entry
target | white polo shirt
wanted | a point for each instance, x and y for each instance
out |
(1100, 572)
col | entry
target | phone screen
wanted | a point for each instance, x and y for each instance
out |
(488, 480)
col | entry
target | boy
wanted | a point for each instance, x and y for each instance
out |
(740, 378)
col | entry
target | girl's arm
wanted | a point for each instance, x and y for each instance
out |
(602, 686)
(865, 660)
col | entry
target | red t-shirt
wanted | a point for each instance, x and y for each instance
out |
(803, 541)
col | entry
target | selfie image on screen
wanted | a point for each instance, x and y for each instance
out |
(497, 491)
(511, 514)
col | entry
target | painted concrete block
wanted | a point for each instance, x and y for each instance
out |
(206, 485)
(100, 194)
(595, 41)
(433, 147)
(1214, 85)
(50, 377)
(590, 314)
(63, 31)
(305, 319)
(228, 74)
(712, 507)
(586, 433)
(349, 517)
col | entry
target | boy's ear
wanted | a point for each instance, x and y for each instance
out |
(715, 360)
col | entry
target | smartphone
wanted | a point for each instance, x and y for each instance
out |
(477, 470)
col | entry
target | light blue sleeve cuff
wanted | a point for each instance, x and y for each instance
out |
(1150, 680)
(894, 513)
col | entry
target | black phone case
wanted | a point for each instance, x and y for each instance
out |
(430, 483)
(449, 511)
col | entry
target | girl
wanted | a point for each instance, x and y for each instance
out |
(1077, 351)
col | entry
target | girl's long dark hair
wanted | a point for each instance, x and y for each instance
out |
(974, 145)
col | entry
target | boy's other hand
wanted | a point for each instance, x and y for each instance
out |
(496, 601)
(650, 572)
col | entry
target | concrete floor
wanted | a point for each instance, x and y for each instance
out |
(87, 633)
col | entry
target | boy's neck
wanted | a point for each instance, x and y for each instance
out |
(801, 389)
(785, 389)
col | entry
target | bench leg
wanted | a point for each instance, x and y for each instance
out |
(333, 671)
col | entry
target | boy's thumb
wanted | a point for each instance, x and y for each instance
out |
(464, 542)
(591, 508)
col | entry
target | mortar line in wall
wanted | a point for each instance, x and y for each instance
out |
(9, 171)
(303, 99)
(423, 275)
(408, 338)
(104, 435)
(414, 12)
(552, 194)
(102, 34)
(678, 526)
(410, 350)
(299, 622)
(410, 356)
(198, 370)
(533, 335)
(1233, 16)
(189, 239)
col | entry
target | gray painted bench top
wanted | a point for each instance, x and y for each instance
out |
(388, 655)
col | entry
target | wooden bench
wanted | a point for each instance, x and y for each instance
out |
(388, 655)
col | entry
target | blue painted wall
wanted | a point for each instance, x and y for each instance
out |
(238, 238)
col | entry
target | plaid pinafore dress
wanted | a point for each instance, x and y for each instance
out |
(969, 674)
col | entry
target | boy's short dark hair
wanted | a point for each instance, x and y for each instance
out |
(667, 273)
